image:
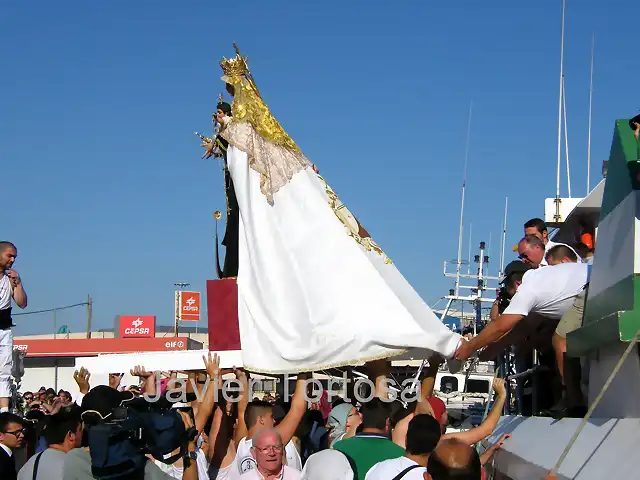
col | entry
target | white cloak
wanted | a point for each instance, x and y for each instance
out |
(314, 291)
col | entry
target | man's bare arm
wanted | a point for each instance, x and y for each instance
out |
(290, 423)
(19, 295)
(494, 331)
(488, 426)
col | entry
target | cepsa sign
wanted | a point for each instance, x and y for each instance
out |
(132, 326)
(189, 304)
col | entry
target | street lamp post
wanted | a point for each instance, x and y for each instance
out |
(181, 286)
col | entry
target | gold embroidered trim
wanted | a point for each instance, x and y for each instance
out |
(354, 229)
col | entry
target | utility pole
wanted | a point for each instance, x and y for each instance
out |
(89, 314)
(181, 286)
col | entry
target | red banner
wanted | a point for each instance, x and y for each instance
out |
(132, 326)
(189, 306)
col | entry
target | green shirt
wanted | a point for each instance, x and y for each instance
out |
(367, 449)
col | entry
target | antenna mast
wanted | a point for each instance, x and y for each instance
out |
(504, 235)
(566, 136)
(469, 258)
(464, 186)
(557, 215)
(593, 47)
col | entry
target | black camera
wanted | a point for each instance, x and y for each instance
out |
(504, 299)
(118, 446)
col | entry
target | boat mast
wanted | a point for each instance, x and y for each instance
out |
(504, 236)
(593, 46)
(469, 257)
(464, 186)
(566, 136)
(557, 199)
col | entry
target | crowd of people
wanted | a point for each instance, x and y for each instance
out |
(242, 436)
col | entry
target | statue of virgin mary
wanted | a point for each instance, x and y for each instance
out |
(314, 290)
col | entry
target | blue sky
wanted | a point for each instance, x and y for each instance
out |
(104, 189)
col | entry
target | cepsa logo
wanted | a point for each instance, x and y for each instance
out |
(132, 326)
(190, 306)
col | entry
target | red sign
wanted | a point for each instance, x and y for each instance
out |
(132, 326)
(189, 306)
(82, 347)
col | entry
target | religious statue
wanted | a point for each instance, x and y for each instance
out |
(314, 290)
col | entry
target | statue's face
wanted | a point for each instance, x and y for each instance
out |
(219, 115)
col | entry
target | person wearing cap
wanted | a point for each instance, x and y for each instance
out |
(512, 272)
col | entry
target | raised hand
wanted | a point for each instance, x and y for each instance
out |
(139, 371)
(499, 387)
(82, 379)
(14, 278)
(212, 365)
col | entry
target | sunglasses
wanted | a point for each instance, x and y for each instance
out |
(523, 256)
(18, 432)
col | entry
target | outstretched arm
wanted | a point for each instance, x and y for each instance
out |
(492, 332)
(290, 423)
(488, 426)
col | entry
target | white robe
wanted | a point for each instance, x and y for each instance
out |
(311, 294)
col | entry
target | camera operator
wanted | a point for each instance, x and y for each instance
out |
(512, 273)
(98, 406)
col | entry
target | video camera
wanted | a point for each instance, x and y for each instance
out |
(118, 446)
(504, 298)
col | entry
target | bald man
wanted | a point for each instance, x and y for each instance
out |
(11, 289)
(268, 452)
(454, 459)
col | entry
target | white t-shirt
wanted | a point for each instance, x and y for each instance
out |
(388, 469)
(549, 291)
(6, 292)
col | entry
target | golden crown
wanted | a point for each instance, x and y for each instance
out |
(235, 66)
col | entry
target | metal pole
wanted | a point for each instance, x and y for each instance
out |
(557, 200)
(181, 286)
(89, 314)
(593, 46)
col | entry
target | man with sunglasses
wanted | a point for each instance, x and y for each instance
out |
(11, 436)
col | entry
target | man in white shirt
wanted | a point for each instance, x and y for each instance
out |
(423, 436)
(267, 450)
(63, 433)
(10, 288)
(548, 291)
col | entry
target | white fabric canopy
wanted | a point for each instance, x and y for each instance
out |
(314, 291)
